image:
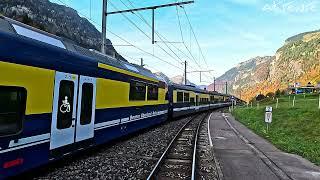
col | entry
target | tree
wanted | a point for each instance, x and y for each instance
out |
(260, 97)
(270, 94)
(283, 92)
(278, 93)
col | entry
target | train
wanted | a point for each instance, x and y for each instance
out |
(58, 98)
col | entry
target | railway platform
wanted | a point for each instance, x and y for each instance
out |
(241, 154)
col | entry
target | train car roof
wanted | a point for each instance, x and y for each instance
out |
(62, 45)
(195, 89)
(187, 87)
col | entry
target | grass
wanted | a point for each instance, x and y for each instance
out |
(293, 129)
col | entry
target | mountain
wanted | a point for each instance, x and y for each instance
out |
(56, 19)
(244, 75)
(180, 80)
(298, 60)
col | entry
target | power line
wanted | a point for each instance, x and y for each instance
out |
(195, 36)
(183, 38)
(97, 24)
(157, 33)
(148, 36)
(162, 38)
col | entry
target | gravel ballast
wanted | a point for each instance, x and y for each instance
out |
(130, 158)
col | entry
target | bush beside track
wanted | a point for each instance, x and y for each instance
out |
(293, 130)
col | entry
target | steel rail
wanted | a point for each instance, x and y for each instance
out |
(162, 158)
(154, 170)
(193, 176)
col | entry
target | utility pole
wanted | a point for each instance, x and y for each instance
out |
(214, 83)
(226, 87)
(185, 72)
(153, 8)
(152, 26)
(141, 62)
(104, 26)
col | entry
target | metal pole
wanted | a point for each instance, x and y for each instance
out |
(319, 101)
(104, 26)
(214, 83)
(293, 102)
(185, 72)
(141, 62)
(226, 87)
(152, 26)
(200, 76)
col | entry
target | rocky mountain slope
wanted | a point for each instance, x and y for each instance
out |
(298, 60)
(180, 80)
(56, 19)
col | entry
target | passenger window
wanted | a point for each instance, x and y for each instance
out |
(12, 109)
(192, 101)
(65, 104)
(86, 103)
(186, 97)
(179, 96)
(137, 91)
(152, 92)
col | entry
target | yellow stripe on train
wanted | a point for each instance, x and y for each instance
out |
(37, 81)
(111, 68)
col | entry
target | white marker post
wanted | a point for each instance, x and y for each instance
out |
(268, 117)
(319, 101)
(277, 103)
(294, 100)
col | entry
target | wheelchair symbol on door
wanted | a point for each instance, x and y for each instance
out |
(65, 106)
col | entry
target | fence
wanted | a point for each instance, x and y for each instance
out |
(303, 101)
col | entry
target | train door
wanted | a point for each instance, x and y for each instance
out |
(73, 109)
(86, 108)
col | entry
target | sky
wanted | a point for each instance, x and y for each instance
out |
(228, 31)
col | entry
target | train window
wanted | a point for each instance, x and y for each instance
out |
(186, 97)
(152, 92)
(192, 101)
(212, 98)
(137, 91)
(12, 109)
(86, 103)
(179, 96)
(65, 104)
(38, 36)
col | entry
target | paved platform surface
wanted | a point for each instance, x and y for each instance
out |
(244, 155)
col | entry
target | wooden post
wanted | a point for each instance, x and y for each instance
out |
(289, 100)
(277, 105)
(319, 101)
(293, 101)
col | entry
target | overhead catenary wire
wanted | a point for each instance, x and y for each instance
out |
(162, 38)
(149, 36)
(182, 38)
(123, 39)
(201, 52)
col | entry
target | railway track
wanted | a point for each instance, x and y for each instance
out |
(179, 159)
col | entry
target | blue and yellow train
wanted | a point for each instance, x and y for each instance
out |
(57, 98)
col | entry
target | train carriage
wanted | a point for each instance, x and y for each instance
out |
(186, 100)
(58, 98)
